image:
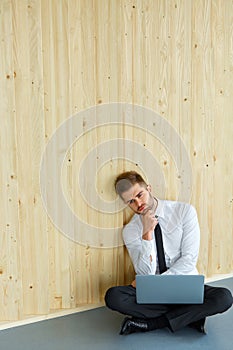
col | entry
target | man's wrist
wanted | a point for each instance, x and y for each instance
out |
(148, 236)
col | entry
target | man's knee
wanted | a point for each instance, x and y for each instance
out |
(112, 298)
(227, 299)
(223, 300)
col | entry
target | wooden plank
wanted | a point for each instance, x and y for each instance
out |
(202, 127)
(56, 70)
(222, 30)
(11, 305)
(30, 138)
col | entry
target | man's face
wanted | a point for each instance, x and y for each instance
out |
(138, 198)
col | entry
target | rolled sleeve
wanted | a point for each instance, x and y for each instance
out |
(142, 252)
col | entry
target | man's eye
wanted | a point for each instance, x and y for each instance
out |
(131, 201)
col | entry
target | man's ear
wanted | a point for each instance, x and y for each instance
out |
(148, 188)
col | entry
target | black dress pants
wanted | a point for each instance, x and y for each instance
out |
(123, 300)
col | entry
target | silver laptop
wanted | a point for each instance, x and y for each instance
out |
(170, 289)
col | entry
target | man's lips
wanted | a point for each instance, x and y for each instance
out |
(141, 208)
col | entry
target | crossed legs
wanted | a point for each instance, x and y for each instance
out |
(123, 300)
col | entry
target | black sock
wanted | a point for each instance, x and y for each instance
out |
(157, 323)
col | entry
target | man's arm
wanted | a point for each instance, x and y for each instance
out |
(141, 245)
(190, 243)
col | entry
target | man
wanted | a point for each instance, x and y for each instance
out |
(181, 239)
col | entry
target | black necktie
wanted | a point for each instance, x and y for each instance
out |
(160, 250)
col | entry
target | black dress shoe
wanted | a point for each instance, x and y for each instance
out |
(199, 325)
(132, 325)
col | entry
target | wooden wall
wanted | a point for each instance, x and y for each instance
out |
(60, 57)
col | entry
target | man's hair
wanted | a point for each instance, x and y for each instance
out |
(126, 180)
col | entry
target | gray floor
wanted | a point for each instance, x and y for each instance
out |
(98, 329)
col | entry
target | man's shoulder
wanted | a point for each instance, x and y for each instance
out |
(175, 204)
(134, 224)
(177, 208)
(134, 221)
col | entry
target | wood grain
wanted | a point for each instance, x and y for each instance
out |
(58, 58)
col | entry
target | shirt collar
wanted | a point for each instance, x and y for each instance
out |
(160, 208)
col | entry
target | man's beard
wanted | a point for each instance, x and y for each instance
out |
(148, 206)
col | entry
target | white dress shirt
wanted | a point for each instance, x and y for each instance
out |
(181, 240)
